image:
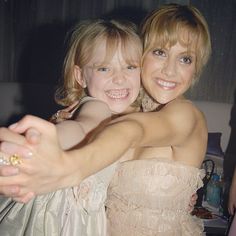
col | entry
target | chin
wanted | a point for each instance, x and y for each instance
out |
(118, 110)
(164, 100)
(120, 107)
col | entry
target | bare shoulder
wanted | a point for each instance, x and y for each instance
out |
(94, 109)
(183, 108)
(184, 115)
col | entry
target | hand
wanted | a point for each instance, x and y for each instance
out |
(192, 202)
(232, 199)
(44, 168)
(13, 191)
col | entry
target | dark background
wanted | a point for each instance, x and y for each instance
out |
(32, 36)
(32, 46)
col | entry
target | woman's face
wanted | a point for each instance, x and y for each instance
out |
(116, 83)
(168, 72)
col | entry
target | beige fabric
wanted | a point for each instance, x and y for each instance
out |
(77, 211)
(151, 197)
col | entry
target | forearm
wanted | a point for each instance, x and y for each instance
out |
(106, 147)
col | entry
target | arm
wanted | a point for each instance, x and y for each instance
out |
(168, 127)
(53, 168)
(232, 195)
(91, 114)
(70, 132)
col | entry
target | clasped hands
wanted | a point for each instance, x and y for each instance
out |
(42, 167)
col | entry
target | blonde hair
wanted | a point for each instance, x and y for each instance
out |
(85, 37)
(169, 24)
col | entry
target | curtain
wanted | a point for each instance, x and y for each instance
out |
(32, 38)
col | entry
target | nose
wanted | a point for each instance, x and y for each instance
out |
(118, 77)
(169, 67)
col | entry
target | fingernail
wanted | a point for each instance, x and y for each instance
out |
(13, 126)
(28, 154)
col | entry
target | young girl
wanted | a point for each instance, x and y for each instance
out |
(148, 194)
(101, 79)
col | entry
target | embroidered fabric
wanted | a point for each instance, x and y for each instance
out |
(148, 103)
(83, 212)
(151, 197)
(68, 112)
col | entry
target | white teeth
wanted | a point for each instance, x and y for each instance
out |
(117, 93)
(166, 83)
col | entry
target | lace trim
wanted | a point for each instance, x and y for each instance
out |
(141, 222)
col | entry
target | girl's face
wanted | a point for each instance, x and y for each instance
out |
(116, 83)
(168, 72)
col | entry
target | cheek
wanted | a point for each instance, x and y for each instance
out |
(151, 65)
(188, 75)
(135, 81)
(94, 86)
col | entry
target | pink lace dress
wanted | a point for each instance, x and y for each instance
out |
(151, 197)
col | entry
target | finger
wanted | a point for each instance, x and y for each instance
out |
(13, 148)
(195, 197)
(25, 199)
(8, 170)
(33, 136)
(10, 191)
(231, 209)
(30, 121)
(190, 208)
(8, 135)
(15, 180)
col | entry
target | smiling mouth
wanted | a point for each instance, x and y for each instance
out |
(117, 93)
(166, 84)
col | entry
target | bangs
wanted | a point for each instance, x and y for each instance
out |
(131, 49)
(168, 34)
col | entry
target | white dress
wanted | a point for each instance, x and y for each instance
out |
(77, 211)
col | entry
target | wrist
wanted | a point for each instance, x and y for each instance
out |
(70, 170)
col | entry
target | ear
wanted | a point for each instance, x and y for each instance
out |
(78, 76)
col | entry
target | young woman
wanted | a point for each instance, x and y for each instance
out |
(148, 194)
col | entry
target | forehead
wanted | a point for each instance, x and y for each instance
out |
(105, 49)
(100, 52)
(184, 36)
